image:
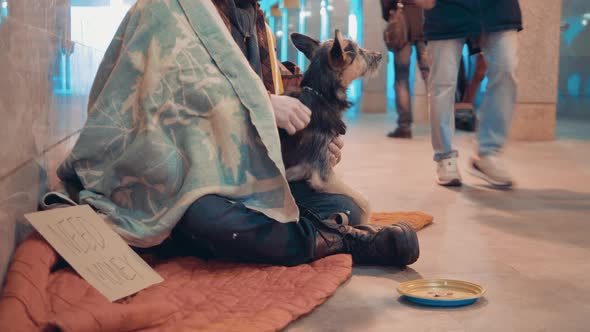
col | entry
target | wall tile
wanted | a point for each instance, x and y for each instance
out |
(19, 194)
(44, 90)
(374, 98)
(539, 51)
(39, 102)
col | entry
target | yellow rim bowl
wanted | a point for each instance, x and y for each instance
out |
(441, 290)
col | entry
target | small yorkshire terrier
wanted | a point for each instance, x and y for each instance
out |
(334, 64)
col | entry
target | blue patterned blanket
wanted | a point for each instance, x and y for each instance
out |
(176, 113)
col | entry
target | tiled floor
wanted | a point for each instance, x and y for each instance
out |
(530, 247)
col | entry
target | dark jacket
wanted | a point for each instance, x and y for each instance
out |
(413, 15)
(260, 61)
(232, 13)
(451, 19)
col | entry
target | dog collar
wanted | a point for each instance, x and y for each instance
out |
(344, 104)
(314, 92)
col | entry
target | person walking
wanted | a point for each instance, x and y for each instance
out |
(448, 24)
(413, 15)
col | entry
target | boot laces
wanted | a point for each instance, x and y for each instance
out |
(361, 249)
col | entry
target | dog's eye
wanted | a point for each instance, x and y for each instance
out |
(350, 56)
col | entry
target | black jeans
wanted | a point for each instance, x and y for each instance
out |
(402, 80)
(216, 227)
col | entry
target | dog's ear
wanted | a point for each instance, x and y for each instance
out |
(337, 56)
(305, 44)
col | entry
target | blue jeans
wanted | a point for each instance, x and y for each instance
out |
(500, 52)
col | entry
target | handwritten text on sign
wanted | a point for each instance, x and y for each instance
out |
(94, 250)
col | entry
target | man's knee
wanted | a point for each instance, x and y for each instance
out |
(504, 65)
(402, 71)
(504, 59)
(204, 214)
(208, 206)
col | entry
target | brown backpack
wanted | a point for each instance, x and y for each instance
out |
(395, 34)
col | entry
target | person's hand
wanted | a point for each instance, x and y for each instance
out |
(290, 113)
(335, 150)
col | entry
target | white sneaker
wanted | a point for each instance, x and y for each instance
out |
(447, 172)
(490, 169)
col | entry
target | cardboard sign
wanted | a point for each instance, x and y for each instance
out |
(94, 250)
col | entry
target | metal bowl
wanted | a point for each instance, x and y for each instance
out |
(441, 292)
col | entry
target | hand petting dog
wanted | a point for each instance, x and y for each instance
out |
(290, 113)
(293, 116)
(335, 150)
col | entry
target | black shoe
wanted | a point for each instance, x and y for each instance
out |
(400, 133)
(395, 245)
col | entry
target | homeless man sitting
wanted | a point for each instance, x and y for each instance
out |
(181, 140)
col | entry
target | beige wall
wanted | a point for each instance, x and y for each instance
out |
(374, 93)
(38, 125)
(534, 117)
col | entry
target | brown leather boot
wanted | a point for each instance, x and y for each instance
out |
(394, 245)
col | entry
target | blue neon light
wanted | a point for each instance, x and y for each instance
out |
(324, 21)
(355, 32)
(301, 60)
(285, 36)
(3, 9)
